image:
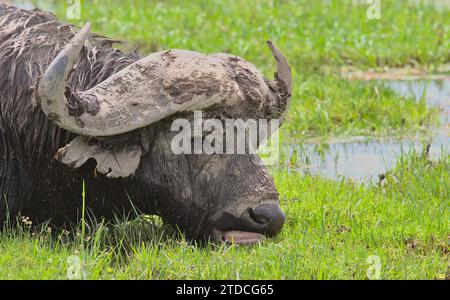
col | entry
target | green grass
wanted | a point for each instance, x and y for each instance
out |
(332, 228)
(311, 33)
(318, 37)
(324, 106)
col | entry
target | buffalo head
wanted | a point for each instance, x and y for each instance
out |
(124, 123)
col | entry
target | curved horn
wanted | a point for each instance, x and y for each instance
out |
(283, 77)
(52, 86)
(149, 90)
(283, 68)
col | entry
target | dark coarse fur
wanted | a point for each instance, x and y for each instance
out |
(32, 183)
(205, 195)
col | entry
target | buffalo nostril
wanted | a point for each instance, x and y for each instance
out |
(270, 216)
(259, 216)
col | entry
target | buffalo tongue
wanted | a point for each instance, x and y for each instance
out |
(242, 237)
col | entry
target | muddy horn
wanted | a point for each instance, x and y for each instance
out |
(150, 89)
(283, 78)
(130, 99)
(52, 85)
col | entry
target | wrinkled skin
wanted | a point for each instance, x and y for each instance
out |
(208, 195)
(217, 197)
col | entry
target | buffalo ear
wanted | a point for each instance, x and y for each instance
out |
(121, 160)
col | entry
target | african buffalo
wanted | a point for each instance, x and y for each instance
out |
(74, 108)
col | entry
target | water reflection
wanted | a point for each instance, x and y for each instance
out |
(436, 93)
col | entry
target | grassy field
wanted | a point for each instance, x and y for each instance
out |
(333, 229)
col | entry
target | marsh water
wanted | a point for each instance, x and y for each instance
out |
(360, 159)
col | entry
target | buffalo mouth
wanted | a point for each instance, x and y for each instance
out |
(252, 227)
(238, 237)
